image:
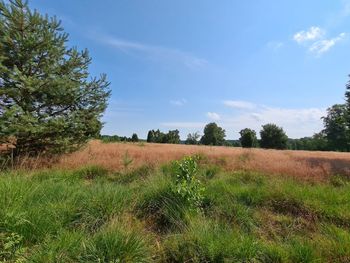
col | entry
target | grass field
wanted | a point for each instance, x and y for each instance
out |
(116, 203)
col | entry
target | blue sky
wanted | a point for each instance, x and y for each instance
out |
(181, 64)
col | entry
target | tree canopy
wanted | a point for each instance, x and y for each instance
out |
(48, 101)
(213, 135)
(248, 138)
(273, 137)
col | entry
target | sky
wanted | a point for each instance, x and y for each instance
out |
(182, 64)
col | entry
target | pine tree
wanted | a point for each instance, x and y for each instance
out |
(48, 102)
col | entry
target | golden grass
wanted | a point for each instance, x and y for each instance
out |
(302, 164)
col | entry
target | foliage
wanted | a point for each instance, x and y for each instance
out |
(192, 138)
(248, 138)
(336, 129)
(318, 142)
(187, 185)
(109, 138)
(47, 101)
(159, 137)
(11, 249)
(213, 135)
(273, 137)
(134, 137)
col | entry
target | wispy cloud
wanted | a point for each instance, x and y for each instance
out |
(313, 33)
(275, 45)
(316, 41)
(154, 52)
(322, 46)
(213, 116)
(180, 102)
(239, 104)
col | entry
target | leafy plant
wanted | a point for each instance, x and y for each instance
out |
(186, 185)
(10, 248)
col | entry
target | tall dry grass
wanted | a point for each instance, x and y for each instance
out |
(301, 164)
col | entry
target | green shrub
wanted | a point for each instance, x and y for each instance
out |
(186, 184)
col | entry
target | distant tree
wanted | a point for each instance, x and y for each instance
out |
(273, 137)
(192, 138)
(336, 128)
(159, 137)
(318, 142)
(134, 137)
(48, 101)
(248, 138)
(347, 103)
(172, 137)
(150, 136)
(213, 135)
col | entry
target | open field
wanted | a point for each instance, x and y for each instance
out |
(302, 164)
(90, 207)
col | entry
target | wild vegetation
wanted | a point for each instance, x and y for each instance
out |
(187, 211)
(65, 200)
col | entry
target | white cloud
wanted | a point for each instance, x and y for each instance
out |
(180, 102)
(313, 33)
(158, 53)
(296, 122)
(322, 46)
(213, 116)
(238, 104)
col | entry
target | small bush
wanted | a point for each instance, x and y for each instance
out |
(186, 185)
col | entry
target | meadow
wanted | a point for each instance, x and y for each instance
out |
(117, 202)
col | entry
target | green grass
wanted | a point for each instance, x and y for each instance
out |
(92, 215)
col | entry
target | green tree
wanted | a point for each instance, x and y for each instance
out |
(150, 136)
(192, 138)
(248, 138)
(134, 137)
(336, 128)
(48, 102)
(172, 137)
(273, 137)
(347, 117)
(213, 135)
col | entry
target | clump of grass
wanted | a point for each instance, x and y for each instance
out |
(117, 244)
(161, 207)
(211, 170)
(209, 241)
(91, 172)
(66, 246)
(99, 204)
(139, 173)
